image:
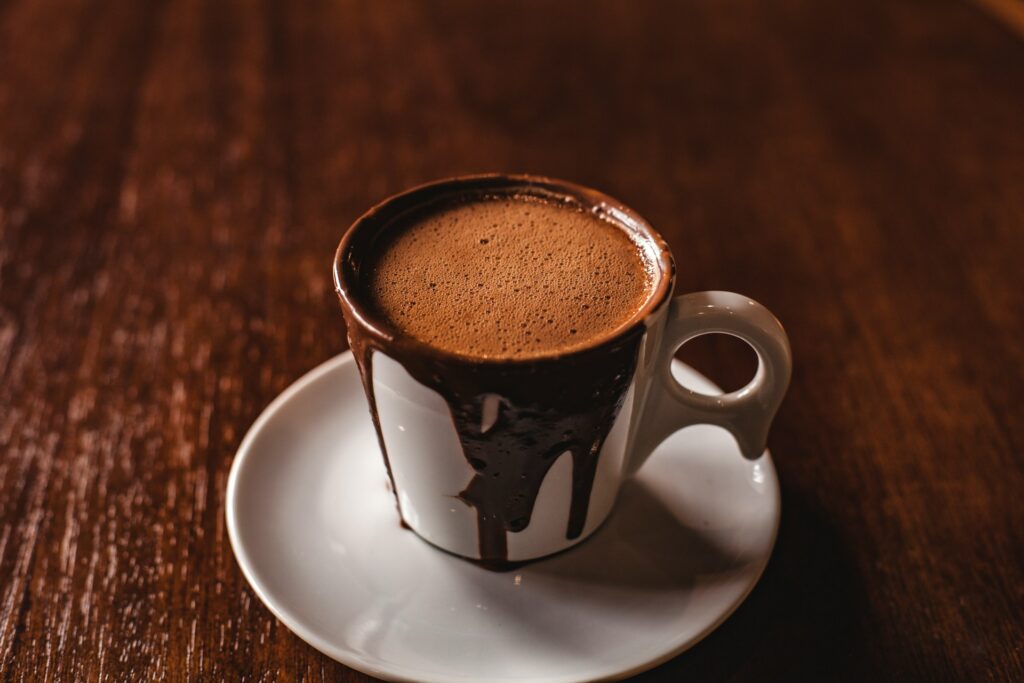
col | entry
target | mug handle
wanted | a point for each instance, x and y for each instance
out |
(748, 412)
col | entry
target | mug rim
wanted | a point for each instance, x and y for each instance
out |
(606, 207)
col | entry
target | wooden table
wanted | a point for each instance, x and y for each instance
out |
(174, 176)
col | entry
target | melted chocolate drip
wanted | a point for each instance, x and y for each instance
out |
(547, 407)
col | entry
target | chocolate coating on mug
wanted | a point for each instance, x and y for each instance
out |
(545, 409)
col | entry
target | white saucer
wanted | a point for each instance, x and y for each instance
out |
(316, 533)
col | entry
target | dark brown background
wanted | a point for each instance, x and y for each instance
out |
(174, 176)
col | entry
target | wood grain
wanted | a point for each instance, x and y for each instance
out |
(174, 176)
(1010, 12)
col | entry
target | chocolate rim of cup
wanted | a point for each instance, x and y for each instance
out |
(347, 263)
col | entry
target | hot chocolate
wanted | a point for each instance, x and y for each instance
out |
(524, 309)
(508, 277)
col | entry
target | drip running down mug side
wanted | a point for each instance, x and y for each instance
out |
(507, 460)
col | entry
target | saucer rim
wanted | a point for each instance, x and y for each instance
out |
(352, 658)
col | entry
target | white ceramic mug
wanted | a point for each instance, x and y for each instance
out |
(410, 387)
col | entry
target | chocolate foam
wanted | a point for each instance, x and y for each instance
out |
(507, 276)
